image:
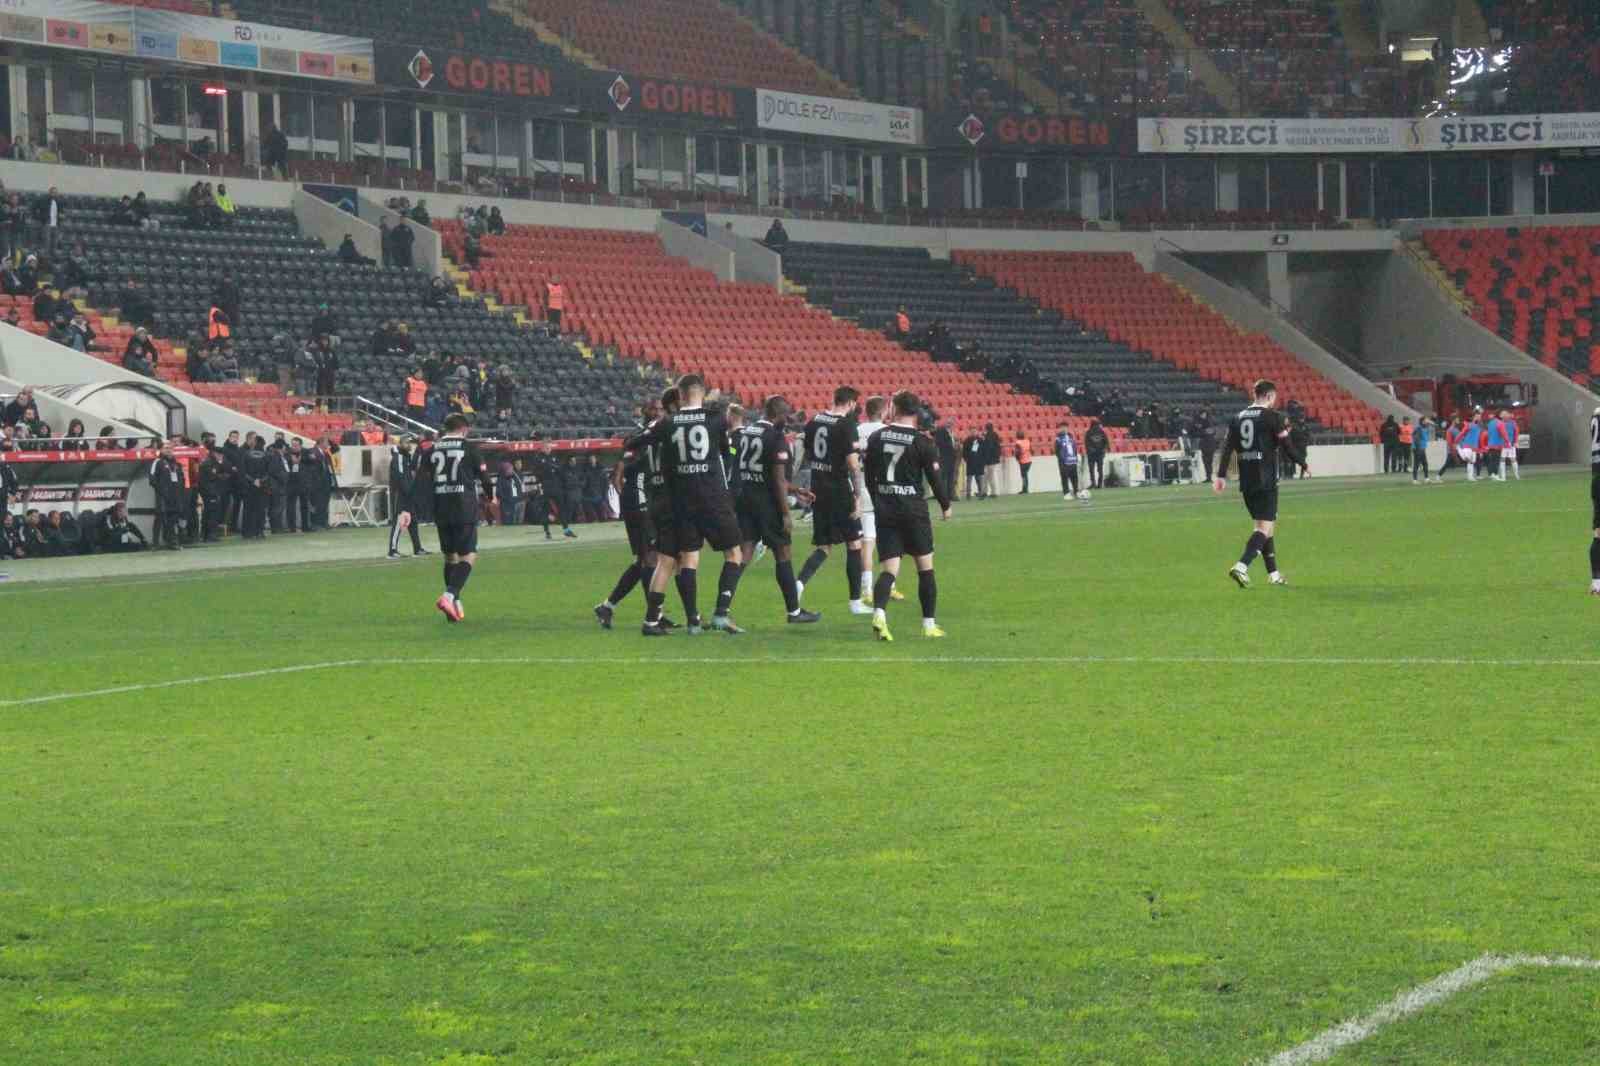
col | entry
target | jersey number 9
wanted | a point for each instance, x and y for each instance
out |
(1247, 434)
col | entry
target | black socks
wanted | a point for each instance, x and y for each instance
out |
(881, 590)
(791, 598)
(652, 605)
(688, 591)
(927, 593)
(455, 577)
(726, 584)
(630, 577)
(852, 573)
(1269, 555)
(1594, 558)
(1252, 548)
(812, 565)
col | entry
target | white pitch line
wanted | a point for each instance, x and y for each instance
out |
(792, 660)
(1325, 1045)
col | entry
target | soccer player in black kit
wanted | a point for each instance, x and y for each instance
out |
(456, 470)
(899, 458)
(830, 451)
(763, 508)
(633, 478)
(1257, 434)
(693, 444)
(1594, 496)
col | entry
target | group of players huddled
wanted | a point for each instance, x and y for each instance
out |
(697, 475)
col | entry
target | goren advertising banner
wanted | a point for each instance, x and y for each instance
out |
(824, 116)
(184, 38)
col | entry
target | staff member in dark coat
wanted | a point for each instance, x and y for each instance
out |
(253, 466)
(233, 491)
(571, 482)
(403, 489)
(323, 480)
(214, 478)
(297, 509)
(508, 490)
(972, 454)
(166, 478)
(1095, 444)
(949, 469)
(277, 486)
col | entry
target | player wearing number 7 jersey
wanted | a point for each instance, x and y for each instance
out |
(899, 459)
(694, 445)
(1256, 435)
(455, 469)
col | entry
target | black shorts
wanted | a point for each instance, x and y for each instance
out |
(641, 531)
(1594, 496)
(759, 520)
(457, 538)
(1262, 505)
(699, 522)
(904, 530)
(830, 518)
(665, 530)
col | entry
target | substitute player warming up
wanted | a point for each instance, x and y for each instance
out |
(1257, 434)
(899, 458)
(458, 470)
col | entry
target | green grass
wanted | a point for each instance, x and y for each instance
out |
(806, 848)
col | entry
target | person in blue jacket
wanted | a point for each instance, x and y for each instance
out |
(1421, 437)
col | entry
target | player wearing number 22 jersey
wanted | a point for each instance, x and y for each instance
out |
(763, 480)
(1256, 435)
(455, 470)
(899, 460)
(693, 444)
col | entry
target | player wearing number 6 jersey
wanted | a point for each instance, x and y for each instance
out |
(899, 459)
(1256, 435)
(694, 445)
(831, 452)
(455, 469)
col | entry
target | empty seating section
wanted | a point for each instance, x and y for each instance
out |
(697, 40)
(868, 285)
(284, 277)
(1536, 288)
(868, 44)
(624, 291)
(1112, 293)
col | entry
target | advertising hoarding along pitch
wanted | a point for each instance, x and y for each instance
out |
(824, 116)
(1462, 133)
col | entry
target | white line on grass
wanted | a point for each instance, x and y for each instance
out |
(1329, 1043)
(790, 660)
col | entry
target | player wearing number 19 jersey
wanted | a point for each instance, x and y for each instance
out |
(1256, 435)
(694, 447)
(899, 459)
(456, 469)
(1594, 496)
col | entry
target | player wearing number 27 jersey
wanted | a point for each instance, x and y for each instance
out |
(1256, 436)
(899, 460)
(455, 470)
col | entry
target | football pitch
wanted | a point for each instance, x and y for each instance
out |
(1125, 813)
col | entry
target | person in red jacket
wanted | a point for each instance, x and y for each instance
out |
(1452, 439)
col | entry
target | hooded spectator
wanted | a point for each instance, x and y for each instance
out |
(141, 354)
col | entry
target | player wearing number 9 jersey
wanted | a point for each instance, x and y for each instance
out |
(693, 444)
(1256, 435)
(455, 470)
(899, 459)
(1594, 497)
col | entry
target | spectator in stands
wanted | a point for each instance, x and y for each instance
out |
(47, 215)
(505, 392)
(460, 401)
(135, 306)
(10, 238)
(14, 280)
(435, 408)
(44, 305)
(901, 330)
(992, 452)
(141, 213)
(225, 363)
(141, 354)
(327, 368)
(497, 222)
(80, 335)
(777, 237)
(17, 406)
(555, 301)
(402, 240)
(386, 241)
(225, 208)
(275, 152)
(472, 250)
(74, 276)
(324, 323)
(419, 214)
(226, 296)
(122, 214)
(76, 439)
(439, 294)
(1095, 444)
(348, 253)
(58, 329)
(219, 327)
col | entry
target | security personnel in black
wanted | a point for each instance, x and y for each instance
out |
(538, 483)
(234, 491)
(298, 503)
(214, 477)
(253, 463)
(277, 486)
(166, 478)
(402, 496)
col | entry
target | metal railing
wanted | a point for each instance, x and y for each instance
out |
(388, 416)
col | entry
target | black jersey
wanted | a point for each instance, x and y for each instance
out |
(457, 470)
(829, 441)
(763, 449)
(693, 447)
(899, 459)
(635, 481)
(1594, 444)
(1256, 434)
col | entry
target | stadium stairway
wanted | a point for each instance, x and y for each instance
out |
(624, 293)
(1110, 293)
(1536, 288)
